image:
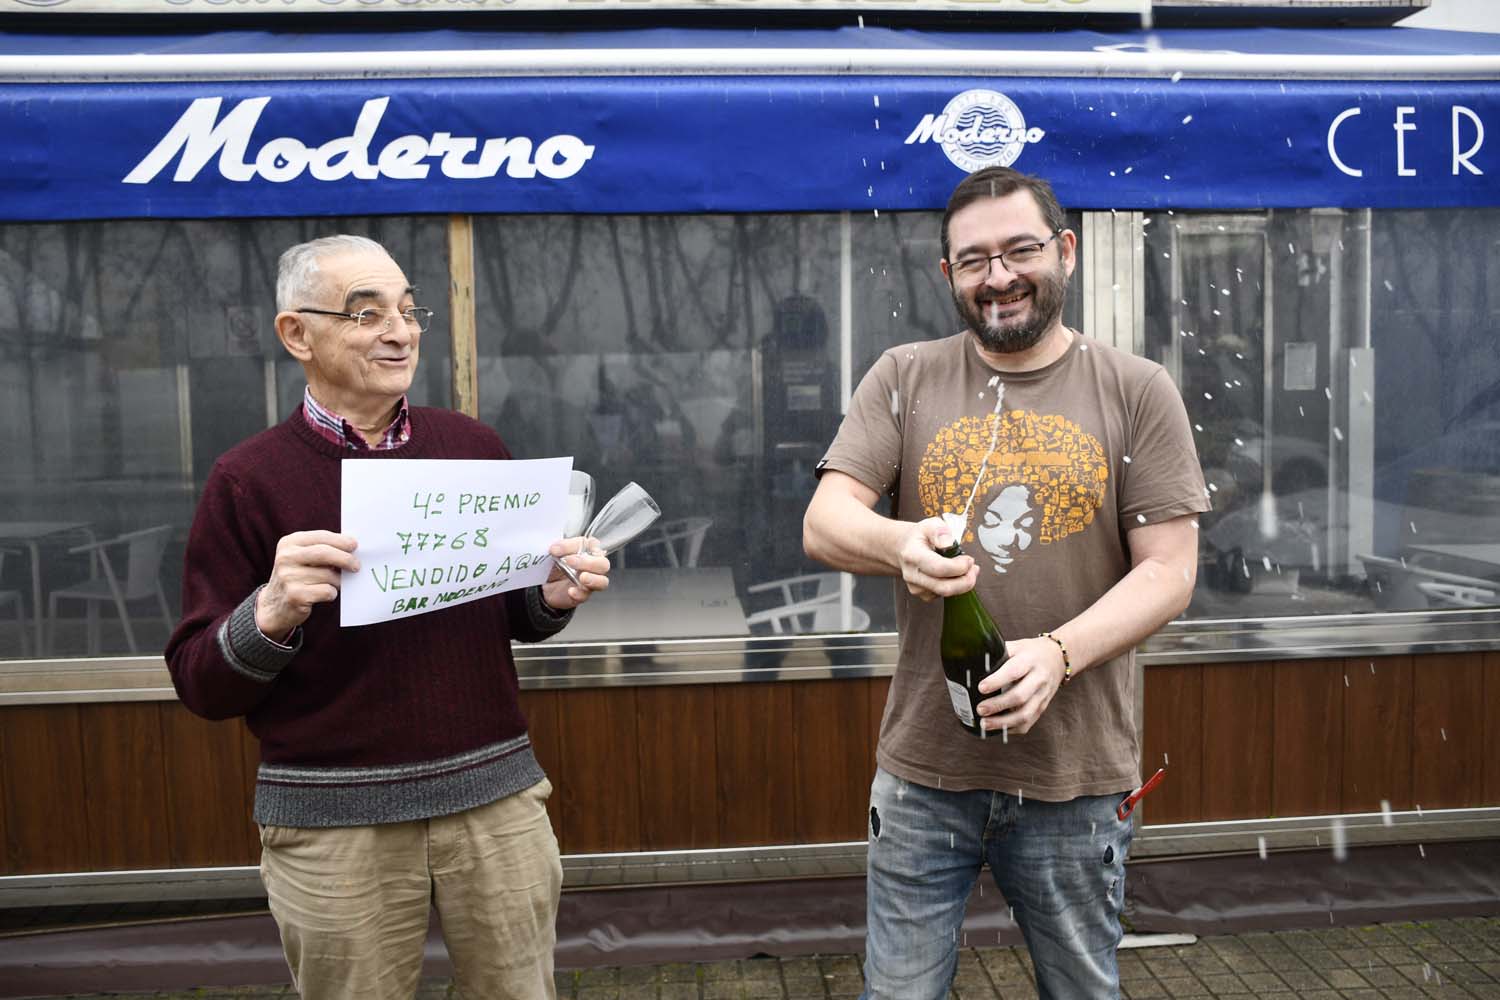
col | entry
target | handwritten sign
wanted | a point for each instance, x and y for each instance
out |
(435, 533)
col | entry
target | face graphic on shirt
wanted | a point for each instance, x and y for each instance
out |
(1007, 524)
(1043, 480)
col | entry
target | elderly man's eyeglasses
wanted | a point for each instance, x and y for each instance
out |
(1017, 260)
(416, 318)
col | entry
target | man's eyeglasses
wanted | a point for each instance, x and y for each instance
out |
(416, 317)
(1017, 260)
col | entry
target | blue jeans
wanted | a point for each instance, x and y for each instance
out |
(1060, 866)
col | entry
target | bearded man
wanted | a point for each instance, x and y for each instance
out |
(1099, 442)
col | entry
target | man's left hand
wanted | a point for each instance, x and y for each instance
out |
(1030, 677)
(559, 592)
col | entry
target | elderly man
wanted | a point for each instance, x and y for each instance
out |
(1075, 465)
(396, 771)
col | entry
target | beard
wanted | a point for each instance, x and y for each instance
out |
(1048, 290)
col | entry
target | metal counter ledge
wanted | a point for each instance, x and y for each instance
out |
(562, 664)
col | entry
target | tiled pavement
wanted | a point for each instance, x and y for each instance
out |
(1455, 958)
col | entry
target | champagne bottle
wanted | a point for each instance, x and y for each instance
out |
(971, 649)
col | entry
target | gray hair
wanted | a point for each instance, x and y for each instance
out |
(297, 271)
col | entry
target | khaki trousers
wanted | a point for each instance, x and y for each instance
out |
(352, 903)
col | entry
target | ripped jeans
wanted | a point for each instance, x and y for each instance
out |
(1059, 865)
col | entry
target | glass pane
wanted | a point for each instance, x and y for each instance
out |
(1435, 307)
(698, 356)
(132, 354)
(1337, 371)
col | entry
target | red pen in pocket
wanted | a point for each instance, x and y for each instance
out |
(1128, 804)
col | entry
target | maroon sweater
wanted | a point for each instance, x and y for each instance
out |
(378, 723)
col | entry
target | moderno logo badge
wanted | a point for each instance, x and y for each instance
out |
(977, 129)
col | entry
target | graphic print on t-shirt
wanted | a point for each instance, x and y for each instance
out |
(1044, 481)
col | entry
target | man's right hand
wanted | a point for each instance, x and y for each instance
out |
(928, 574)
(306, 572)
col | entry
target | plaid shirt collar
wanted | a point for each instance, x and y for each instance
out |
(332, 427)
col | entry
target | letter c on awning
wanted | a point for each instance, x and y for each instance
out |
(1333, 153)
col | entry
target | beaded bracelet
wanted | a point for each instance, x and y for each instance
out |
(1067, 662)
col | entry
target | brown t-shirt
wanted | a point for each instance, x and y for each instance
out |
(1074, 455)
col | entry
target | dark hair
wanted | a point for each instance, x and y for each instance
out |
(997, 182)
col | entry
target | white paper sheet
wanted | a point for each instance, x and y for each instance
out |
(434, 533)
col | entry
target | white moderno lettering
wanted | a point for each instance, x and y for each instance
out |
(931, 126)
(353, 152)
(936, 128)
(200, 135)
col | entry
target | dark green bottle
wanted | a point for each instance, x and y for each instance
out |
(971, 649)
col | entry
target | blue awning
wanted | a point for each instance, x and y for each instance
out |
(725, 120)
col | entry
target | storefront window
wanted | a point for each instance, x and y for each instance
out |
(133, 354)
(696, 355)
(1335, 365)
(1336, 368)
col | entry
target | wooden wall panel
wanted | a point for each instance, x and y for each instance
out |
(126, 786)
(880, 689)
(540, 709)
(1307, 751)
(1447, 735)
(250, 764)
(5, 780)
(41, 750)
(208, 812)
(600, 774)
(1377, 733)
(1173, 738)
(1237, 739)
(757, 764)
(1491, 744)
(832, 722)
(679, 767)
(141, 785)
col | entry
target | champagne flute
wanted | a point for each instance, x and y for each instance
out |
(626, 514)
(580, 508)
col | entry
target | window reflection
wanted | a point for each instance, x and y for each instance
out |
(1338, 367)
(697, 355)
(133, 354)
(1335, 368)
